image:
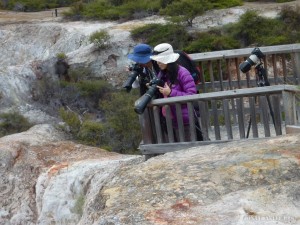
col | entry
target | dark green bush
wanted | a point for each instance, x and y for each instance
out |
(123, 130)
(185, 10)
(154, 34)
(255, 29)
(72, 119)
(118, 131)
(217, 4)
(91, 133)
(100, 39)
(290, 17)
(211, 41)
(11, 123)
(94, 89)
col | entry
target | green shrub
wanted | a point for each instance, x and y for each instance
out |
(61, 55)
(291, 17)
(211, 41)
(154, 34)
(11, 123)
(79, 74)
(217, 4)
(100, 39)
(123, 130)
(185, 10)
(253, 28)
(93, 89)
(91, 133)
(72, 119)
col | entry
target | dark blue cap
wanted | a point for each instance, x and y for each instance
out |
(141, 53)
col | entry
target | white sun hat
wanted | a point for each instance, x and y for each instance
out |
(164, 53)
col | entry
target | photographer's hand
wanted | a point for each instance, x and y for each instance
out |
(166, 90)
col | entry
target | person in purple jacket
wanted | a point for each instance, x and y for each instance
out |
(177, 81)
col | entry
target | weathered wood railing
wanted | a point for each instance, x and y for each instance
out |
(230, 101)
(252, 103)
(220, 69)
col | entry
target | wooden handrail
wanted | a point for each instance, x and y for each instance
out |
(225, 94)
(245, 52)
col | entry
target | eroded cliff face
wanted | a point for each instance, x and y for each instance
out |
(29, 43)
(46, 180)
(28, 57)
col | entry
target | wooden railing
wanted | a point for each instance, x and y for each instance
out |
(220, 69)
(232, 108)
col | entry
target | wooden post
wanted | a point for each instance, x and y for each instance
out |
(296, 66)
(146, 127)
(289, 107)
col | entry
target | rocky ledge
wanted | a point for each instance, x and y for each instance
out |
(45, 180)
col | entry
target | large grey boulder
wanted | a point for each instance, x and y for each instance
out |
(45, 180)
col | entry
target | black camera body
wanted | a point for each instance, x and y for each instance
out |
(142, 102)
(255, 57)
(135, 69)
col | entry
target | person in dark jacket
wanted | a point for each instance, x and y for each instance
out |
(149, 68)
(178, 81)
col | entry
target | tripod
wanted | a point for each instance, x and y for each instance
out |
(261, 81)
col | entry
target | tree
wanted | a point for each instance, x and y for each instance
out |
(186, 10)
(123, 129)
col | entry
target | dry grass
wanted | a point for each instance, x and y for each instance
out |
(19, 17)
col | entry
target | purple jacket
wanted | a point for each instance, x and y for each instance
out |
(185, 86)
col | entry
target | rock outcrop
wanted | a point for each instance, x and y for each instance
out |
(28, 57)
(46, 180)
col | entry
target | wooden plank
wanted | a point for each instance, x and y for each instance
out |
(265, 65)
(277, 114)
(204, 119)
(274, 59)
(252, 121)
(220, 74)
(211, 74)
(265, 118)
(283, 60)
(146, 127)
(243, 83)
(180, 123)
(238, 73)
(296, 66)
(227, 119)
(171, 147)
(156, 112)
(202, 77)
(192, 121)
(245, 52)
(226, 94)
(234, 111)
(169, 124)
(229, 73)
(288, 99)
(240, 112)
(216, 120)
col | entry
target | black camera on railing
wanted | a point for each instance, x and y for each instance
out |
(135, 69)
(141, 104)
(253, 59)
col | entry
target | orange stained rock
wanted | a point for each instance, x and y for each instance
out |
(55, 168)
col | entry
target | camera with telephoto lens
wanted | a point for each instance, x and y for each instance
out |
(135, 69)
(142, 102)
(253, 59)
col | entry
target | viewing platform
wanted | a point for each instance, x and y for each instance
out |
(232, 105)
